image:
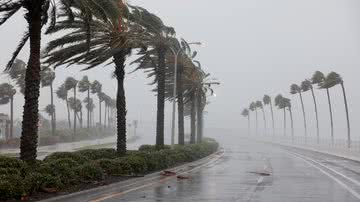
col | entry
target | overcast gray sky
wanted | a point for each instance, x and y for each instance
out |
(252, 47)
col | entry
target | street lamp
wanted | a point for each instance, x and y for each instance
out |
(176, 55)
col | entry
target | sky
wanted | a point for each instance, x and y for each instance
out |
(253, 47)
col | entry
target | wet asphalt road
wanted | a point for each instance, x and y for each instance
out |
(253, 171)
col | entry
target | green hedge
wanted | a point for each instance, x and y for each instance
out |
(63, 170)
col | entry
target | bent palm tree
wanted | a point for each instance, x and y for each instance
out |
(245, 113)
(85, 86)
(279, 102)
(7, 93)
(47, 79)
(295, 89)
(319, 79)
(287, 104)
(96, 88)
(259, 105)
(331, 80)
(62, 93)
(71, 83)
(267, 101)
(90, 106)
(306, 86)
(253, 108)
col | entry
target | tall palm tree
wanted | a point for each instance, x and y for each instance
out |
(47, 80)
(260, 105)
(306, 86)
(295, 89)
(96, 88)
(76, 106)
(90, 106)
(331, 80)
(245, 113)
(157, 38)
(279, 102)
(253, 108)
(319, 79)
(17, 74)
(71, 84)
(267, 101)
(7, 92)
(111, 38)
(85, 86)
(62, 93)
(287, 104)
(37, 14)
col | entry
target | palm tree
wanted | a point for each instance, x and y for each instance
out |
(37, 14)
(17, 74)
(62, 93)
(267, 101)
(7, 93)
(295, 89)
(76, 106)
(158, 39)
(47, 79)
(253, 108)
(306, 86)
(245, 113)
(260, 105)
(331, 80)
(287, 104)
(111, 38)
(71, 84)
(90, 106)
(319, 78)
(96, 88)
(279, 102)
(85, 86)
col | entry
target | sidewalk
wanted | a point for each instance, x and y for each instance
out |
(339, 148)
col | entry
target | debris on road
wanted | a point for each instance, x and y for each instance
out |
(182, 177)
(261, 173)
(167, 173)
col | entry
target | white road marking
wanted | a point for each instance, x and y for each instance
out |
(342, 184)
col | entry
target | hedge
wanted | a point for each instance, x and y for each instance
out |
(62, 170)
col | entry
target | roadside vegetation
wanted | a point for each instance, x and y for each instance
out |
(73, 171)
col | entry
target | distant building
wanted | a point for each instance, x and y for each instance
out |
(4, 126)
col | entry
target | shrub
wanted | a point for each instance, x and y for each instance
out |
(137, 163)
(78, 158)
(11, 187)
(95, 154)
(89, 172)
(152, 148)
(114, 167)
(63, 169)
(10, 162)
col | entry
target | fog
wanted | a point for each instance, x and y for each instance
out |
(253, 47)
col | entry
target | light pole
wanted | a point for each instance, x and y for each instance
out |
(176, 55)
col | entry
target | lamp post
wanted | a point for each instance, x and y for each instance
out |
(176, 55)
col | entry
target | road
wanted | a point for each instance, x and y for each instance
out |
(249, 171)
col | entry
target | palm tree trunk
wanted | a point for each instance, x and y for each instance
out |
(193, 119)
(284, 121)
(119, 60)
(105, 114)
(304, 115)
(347, 115)
(180, 107)
(11, 117)
(53, 123)
(272, 118)
(74, 114)
(68, 111)
(331, 116)
(292, 124)
(29, 135)
(88, 110)
(199, 118)
(264, 117)
(256, 117)
(160, 117)
(100, 124)
(317, 116)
